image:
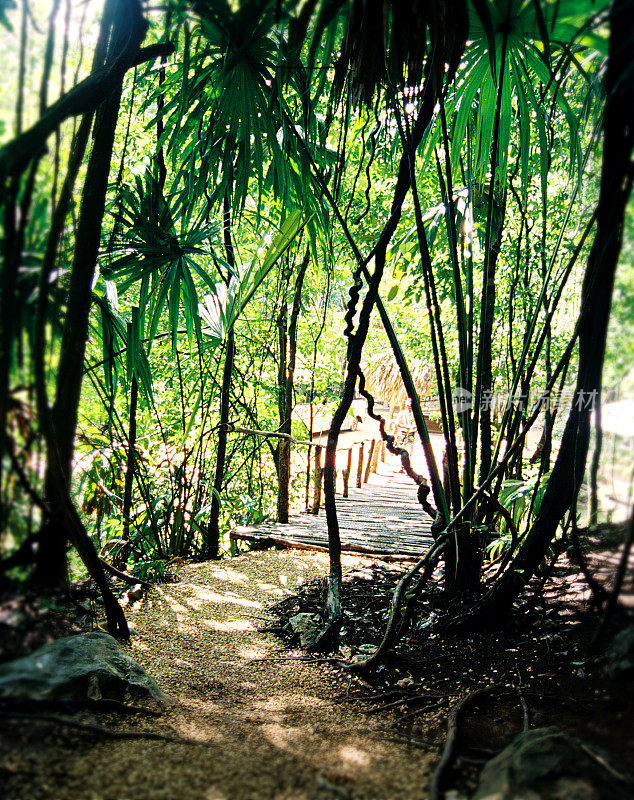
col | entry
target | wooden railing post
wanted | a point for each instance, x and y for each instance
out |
(307, 497)
(382, 452)
(346, 473)
(375, 456)
(369, 464)
(360, 465)
(317, 476)
(335, 470)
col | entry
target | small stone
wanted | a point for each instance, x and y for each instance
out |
(136, 592)
(307, 627)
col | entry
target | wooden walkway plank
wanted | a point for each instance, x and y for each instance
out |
(382, 518)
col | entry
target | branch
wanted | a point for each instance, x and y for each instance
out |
(124, 576)
(152, 51)
(269, 434)
(81, 99)
(22, 478)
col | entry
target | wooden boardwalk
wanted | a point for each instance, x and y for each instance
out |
(382, 518)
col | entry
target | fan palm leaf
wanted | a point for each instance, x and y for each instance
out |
(532, 46)
(163, 255)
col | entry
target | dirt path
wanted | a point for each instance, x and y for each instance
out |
(276, 730)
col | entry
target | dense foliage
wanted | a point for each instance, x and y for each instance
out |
(233, 208)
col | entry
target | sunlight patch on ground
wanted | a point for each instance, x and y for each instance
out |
(171, 600)
(228, 574)
(271, 589)
(285, 737)
(214, 794)
(288, 703)
(249, 653)
(191, 630)
(200, 595)
(183, 663)
(232, 624)
(353, 756)
(249, 686)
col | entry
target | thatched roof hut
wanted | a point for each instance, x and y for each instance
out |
(383, 380)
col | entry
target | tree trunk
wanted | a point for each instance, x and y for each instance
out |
(487, 322)
(433, 87)
(63, 520)
(286, 378)
(51, 557)
(283, 449)
(594, 466)
(129, 474)
(211, 545)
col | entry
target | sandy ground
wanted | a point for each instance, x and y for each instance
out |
(273, 729)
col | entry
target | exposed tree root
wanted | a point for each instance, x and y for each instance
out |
(403, 701)
(416, 712)
(448, 755)
(103, 705)
(97, 730)
(399, 616)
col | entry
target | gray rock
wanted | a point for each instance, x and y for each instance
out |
(548, 764)
(91, 665)
(307, 627)
(618, 659)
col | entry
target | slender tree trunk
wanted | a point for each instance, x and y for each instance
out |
(357, 341)
(15, 235)
(596, 297)
(288, 356)
(134, 384)
(464, 553)
(594, 466)
(131, 460)
(211, 547)
(283, 450)
(487, 323)
(436, 72)
(11, 253)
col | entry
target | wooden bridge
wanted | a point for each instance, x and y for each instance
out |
(380, 515)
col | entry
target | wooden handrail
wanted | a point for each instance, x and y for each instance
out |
(270, 434)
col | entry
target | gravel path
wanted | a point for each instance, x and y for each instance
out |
(273, 730)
